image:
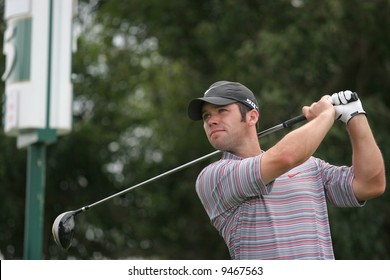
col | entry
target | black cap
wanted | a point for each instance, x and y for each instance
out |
(222, 93)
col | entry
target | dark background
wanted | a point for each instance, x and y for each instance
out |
(138, 64)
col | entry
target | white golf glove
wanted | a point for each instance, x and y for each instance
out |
(347, 105)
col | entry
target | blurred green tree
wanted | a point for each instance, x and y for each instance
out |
(139, 63)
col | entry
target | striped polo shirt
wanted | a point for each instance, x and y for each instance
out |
(285, 219)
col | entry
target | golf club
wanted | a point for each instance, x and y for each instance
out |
(64, 225)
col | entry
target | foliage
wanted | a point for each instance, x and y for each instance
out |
(138, 64)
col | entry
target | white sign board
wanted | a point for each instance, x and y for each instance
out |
(37, 46)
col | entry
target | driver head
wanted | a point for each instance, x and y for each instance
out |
(63, 229)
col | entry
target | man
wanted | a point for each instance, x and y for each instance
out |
(273, 204)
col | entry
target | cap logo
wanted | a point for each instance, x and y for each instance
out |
(207, 91)
(251, 103)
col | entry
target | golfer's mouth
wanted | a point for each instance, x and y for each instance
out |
(215, 131)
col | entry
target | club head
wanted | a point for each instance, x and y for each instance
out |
(63, 229)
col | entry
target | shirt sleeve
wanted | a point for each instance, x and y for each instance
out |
(227, 183)
(338, 185)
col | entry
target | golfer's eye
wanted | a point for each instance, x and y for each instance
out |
(205, 116)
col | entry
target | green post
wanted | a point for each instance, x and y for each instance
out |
(37, 41)
(35, 201)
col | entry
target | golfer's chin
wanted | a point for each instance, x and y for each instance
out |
(218, 144)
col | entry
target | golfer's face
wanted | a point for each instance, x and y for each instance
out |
(223, 125)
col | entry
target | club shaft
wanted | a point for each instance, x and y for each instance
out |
(153, 179)
(268, 131)
(285, 124)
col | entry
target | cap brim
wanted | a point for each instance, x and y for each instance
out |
(195, 106)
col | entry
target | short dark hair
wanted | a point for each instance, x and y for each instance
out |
(243, 110)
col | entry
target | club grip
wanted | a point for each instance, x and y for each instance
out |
(294, 120)
(354, 97)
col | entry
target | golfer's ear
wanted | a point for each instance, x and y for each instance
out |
(252, 117)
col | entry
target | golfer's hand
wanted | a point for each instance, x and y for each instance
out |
(321, 107)
(347, 105)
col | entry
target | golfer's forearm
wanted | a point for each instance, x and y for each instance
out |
(301, 143)
(296, 147)
(367, 160)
